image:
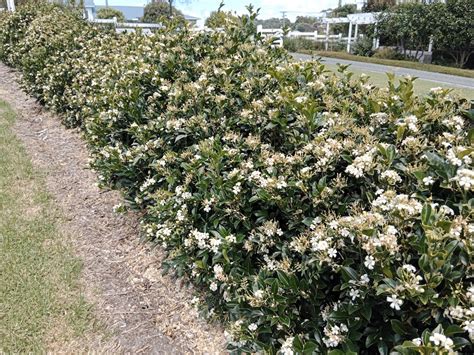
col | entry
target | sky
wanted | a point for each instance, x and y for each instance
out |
(268, 8)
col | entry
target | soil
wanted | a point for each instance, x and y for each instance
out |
(144, 311)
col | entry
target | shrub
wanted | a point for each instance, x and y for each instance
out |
(219, 19)
(298, 43)
(315, 213)
(110, 13)
(388, 53)
(363, 47)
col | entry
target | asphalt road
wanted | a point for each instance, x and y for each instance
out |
(451, 80)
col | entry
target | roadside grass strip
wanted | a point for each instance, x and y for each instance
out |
(41, 302)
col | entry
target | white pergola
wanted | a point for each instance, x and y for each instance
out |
(11, 5)
(352, 19)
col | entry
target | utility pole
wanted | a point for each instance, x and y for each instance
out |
(106, 3)
(283, 16)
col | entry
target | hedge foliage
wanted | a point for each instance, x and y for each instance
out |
(315, 212)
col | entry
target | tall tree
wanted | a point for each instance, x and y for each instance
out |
(455, 31)
(159, 11)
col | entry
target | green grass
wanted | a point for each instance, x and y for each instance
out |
(40, 295)
(421, 87)
(396, 63)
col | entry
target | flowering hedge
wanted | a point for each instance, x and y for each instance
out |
(315, 212)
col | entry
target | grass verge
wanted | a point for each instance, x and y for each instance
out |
(420, 86)
(395, 63)
(41, 302)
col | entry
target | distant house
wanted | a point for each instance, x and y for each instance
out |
(131, 13)
(89, 6)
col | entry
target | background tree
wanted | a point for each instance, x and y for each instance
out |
(455, 31)
(274, 22)
(159, 11)
(409, 26)
(306, 24)
(342, 11)
(378, 5)
(109, 13)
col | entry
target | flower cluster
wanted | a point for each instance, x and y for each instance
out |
(314, 212)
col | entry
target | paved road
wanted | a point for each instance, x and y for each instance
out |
(451, 80)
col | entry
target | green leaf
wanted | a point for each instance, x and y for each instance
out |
(336, 352)
(371, 339)
(309, 347)
(382, 347)
(426, 213)
(349, 273)
(424, 263)
(398, 327)
(460, 342)
(366, 311)
(297, 344)
(453, 329)
(283, 278)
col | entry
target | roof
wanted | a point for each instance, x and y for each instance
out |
(130, 12)
(190, 18)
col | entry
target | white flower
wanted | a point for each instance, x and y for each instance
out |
(391, 176)
(468, 326)
(453, 159)
(354, 293)
(409, 268)
(395, 303)
(301, 99)
(259, 294)
(416, 341)
(456, 122)
(230, 238)
(332, 253)
(215, 243)
(465, 179)
(369, 262)
(364, 279)
(442, 340)
(334, 334)
(428, 180)
(379, 117)
(287, 347)
(213, 286)
(410, 122)
(237, 188)
(437, 90)
(253, 327)
(219, 272)
(281, 184)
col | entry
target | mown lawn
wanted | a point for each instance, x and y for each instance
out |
(41, 302)
(421, 87)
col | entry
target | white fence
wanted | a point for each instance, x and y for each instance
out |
(275, 33)
(121, 27)
(278, 35)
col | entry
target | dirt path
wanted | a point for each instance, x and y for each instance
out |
(146, 312)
